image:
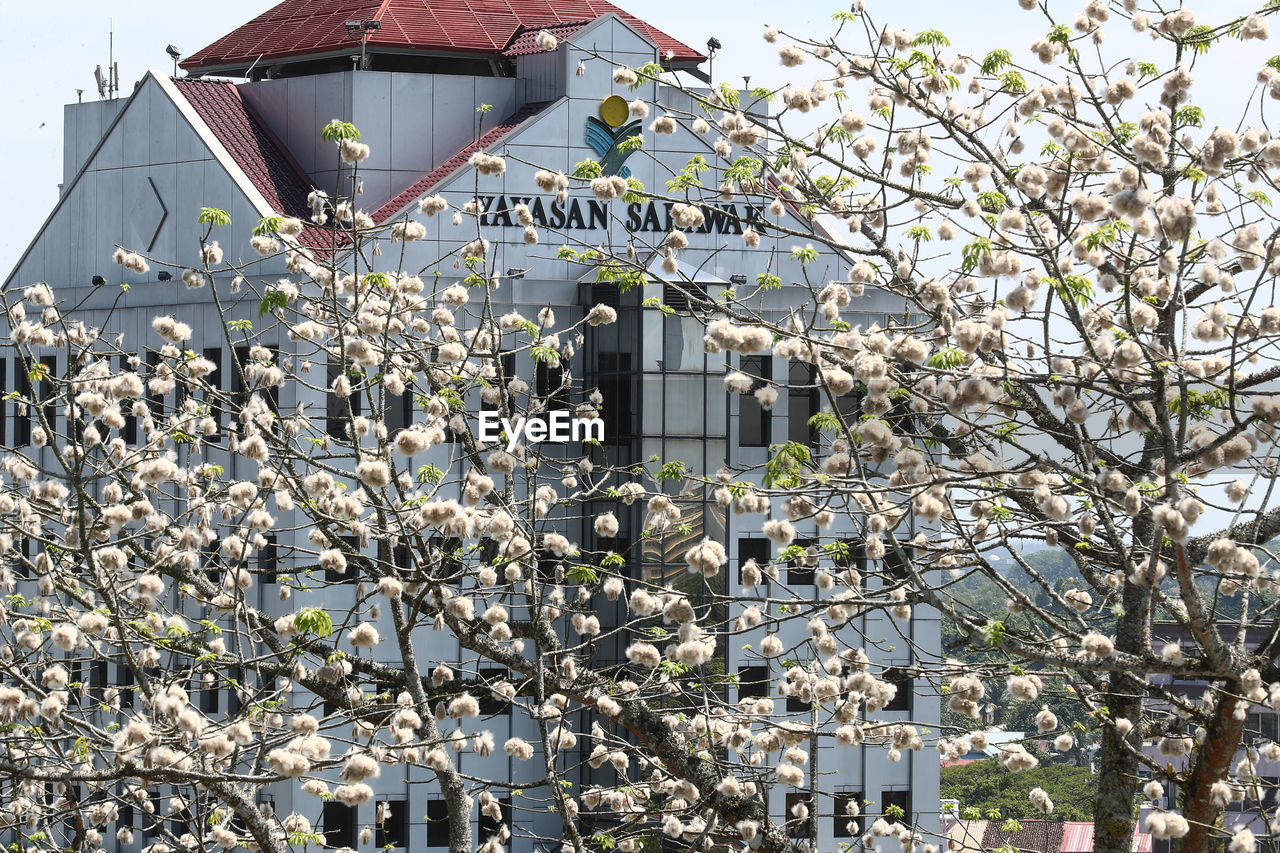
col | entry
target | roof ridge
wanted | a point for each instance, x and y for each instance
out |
(292, 30)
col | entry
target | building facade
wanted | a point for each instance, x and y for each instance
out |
(426, 95)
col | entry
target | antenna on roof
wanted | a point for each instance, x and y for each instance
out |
(109, 82)
(113, 70)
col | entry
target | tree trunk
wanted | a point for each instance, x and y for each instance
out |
(1212, 765)
(1118, 769)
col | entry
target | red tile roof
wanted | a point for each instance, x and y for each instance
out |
(1077, 837)
(454, 163)
(265, 161)
(298, 28)
(526, 40)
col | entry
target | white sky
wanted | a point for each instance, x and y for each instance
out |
(44, 59)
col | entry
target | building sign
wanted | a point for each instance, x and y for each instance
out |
(592, 215)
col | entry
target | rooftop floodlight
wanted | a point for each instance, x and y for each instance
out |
(516, 273)
(173, 52)
(713, 44)
(373, 25)
(353, 26)
(738, 279)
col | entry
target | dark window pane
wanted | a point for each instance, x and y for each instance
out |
(336, 407)
(550, 384)
(752, 549)
(267, 562)
(894, 566)
(155, 402)
(393, 829)
(614, 381)
(753, 682)
(46, 390)
(801, 571)
(802, 402)
(798, 827)
(490, 704)
(339, 822)
(130, 432)
(216, 383)
(755, 423)
(898, 677)
(22, 422)
(490, 827)
(841, 816)
(899, 799)
(437, 823)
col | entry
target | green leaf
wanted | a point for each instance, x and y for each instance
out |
(1014, 82)
(804, 254)
(272, 300)
(336, 131)
(932, 38)
(1200, 38)
(947, 359)
(996, 60)
(582, 574)
(1189, 115)
(631, 143)
(973, 253)
(268, 226)
(676, 470)
(314, 620)
(588, 169)
(545, 354)
(214, 216)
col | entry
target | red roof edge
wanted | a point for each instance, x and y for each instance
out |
(457, 161)
(262, 157)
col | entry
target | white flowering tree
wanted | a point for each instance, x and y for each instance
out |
(1086, 362)
(1084, 359)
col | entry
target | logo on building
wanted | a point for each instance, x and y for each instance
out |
(605, 134)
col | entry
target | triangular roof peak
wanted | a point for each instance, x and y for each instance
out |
(293, 30)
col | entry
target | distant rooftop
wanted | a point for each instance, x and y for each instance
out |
(296, 30)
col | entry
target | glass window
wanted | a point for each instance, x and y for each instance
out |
(437, 823)
(894, 801)
(753, 682)
(801, 570)
(752, 549)
(797, 827)
(339, 823)
(841, 816)
(802, 402)
(490, 827)
(898, 677)
(393, 829)
(755, 423)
